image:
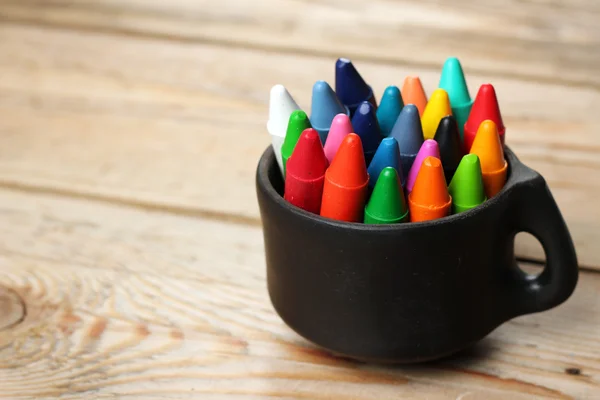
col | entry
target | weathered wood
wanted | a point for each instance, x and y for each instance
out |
(135, 304)
(546, 41)
(180, 126)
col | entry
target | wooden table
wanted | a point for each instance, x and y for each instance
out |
(132, 256)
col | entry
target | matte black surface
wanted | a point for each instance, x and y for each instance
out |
(412, 292)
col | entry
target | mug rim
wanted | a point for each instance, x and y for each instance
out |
(267, 161)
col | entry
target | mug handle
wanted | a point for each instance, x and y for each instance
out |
(534, 210)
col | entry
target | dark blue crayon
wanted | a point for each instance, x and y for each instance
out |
(350, 87)
(387, 155)
(325, 106)
(389, 109)
(451, 152)
(409, 133)
(367, 128)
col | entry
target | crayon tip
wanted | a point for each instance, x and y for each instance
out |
(484, 107)
(387, 204)
(308, 160)
(348, 167)
(298, 122)
(340, 127)
(387, 155)
(306, 173)
(350, 87)
(389, 109)
(437, 108)
(325, 106)
(429, 198)
(488, 148)
(366, 126)
(466, 187)
(413, 93)
(453, 81)
(428, 149)
(409, 134)
(281, 106)
(346, 180)
(448, 140)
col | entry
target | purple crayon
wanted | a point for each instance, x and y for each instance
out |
(429, 148)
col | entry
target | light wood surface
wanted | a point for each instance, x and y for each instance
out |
(126, 301)
(132, 261)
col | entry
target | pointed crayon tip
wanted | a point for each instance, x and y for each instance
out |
(306, 173)
(389, 109)
(387, 155)
(308, 160)
(325, 106)
(466, 187)
(413, 93)
(350, 86)
(409, 134)
(453, 81)
(340, 127)
(448, 139)
(346, 183)
(488, 148)
(429, 198)
(437, 108)
(298, 122)
(348, 167)
(484, 107)
(366, 126)
(281, 106)
(428, 149)
(387, 204)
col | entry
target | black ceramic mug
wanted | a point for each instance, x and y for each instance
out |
(417, 291)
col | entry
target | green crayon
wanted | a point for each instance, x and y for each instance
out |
(454, 83)
(466, 187)
(387, 204)
(297, 123)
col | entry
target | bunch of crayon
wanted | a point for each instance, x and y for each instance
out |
(408, 159)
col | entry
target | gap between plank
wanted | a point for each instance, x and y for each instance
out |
(211, 215)
(386, 61)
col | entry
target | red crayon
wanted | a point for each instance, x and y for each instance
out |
(485, 107)
(305, 172)
(346, 182)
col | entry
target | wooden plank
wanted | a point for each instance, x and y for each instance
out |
(181, 126)
(135, 304)
(547, 41)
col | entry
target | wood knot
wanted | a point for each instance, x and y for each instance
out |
(12, 308)
(573, 371)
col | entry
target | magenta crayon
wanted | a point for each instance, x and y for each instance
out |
(340, 127)
(305, 173)
(428, 149)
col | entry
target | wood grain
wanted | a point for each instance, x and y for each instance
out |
(179, 126)
(135, 304)
(540, 41)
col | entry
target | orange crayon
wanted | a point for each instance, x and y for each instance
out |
(413, 93)
(429, 198)
(488, 147)
(346, 182)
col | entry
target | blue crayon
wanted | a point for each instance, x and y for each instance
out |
(325, 106)
(350, 87)
(389, 109)
(387, 155)
(367, 128)
(409, 133)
